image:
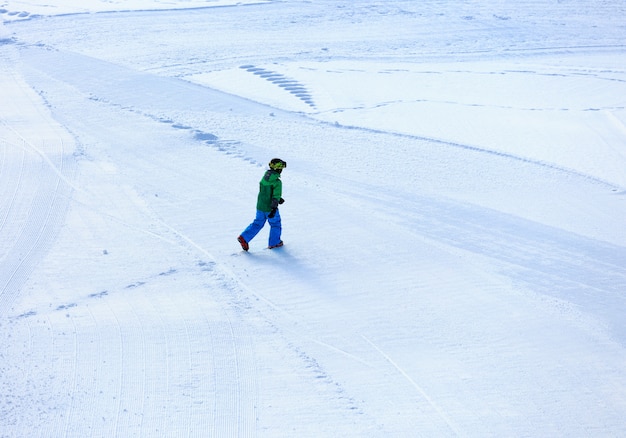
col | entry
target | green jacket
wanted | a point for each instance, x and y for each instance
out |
(270, 188)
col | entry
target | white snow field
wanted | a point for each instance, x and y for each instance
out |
(454, 225)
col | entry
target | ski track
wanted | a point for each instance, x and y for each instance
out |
(38, 207)
(192, 340)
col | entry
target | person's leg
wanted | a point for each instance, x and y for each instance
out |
(275, 229)
(254, 228)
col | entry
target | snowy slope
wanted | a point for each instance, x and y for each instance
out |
(454, 219)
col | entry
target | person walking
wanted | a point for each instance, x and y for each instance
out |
(270, 196)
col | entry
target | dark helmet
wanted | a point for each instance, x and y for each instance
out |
(277, 164)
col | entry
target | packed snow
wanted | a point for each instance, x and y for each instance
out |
(454, 225)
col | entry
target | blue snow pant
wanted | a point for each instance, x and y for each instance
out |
(258, 223)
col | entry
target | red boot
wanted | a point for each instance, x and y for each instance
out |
(278, 245)
(244, 244)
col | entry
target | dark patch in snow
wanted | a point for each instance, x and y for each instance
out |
(169, 272)
(66, 306)
(135, 285)
(230, 147)
(99, 294)
(206, 266)
(205, 136)
(18, 15)
(291, 85)
(318, 373)
(26, 314)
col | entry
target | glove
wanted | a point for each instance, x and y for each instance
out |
(273, 212)
(281, 200)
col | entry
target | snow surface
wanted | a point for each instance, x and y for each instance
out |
(455, 258)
